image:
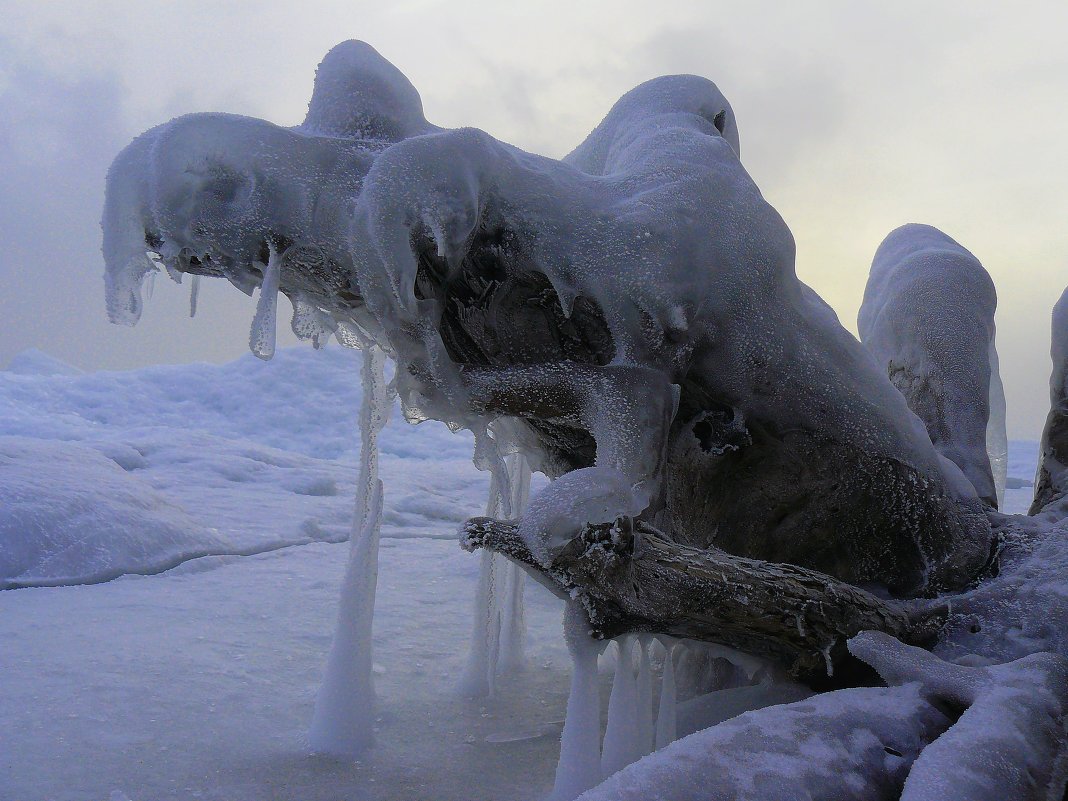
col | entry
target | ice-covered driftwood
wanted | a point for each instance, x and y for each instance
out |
(636, 579)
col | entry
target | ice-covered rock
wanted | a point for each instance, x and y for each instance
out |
(1051, 483)
(928, 319)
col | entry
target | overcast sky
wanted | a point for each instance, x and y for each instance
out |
(854, 118)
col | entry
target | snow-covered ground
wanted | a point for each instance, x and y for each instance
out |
(199, 681)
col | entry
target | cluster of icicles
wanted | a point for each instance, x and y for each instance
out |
(631, 732)
(343, 722)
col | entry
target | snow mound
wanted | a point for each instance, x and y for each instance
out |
(850, 744)
(1010, 738)
(252, 456)
(35, 362)
(68, 514)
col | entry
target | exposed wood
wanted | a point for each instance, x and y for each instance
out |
(643, 581)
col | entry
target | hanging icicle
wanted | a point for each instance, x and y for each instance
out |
(344, 709)
(579, 767)
(194, 294)
(513, 619)
(645, 697)
(261, 338)
(621, 737)
(499, 624)
(666, 726)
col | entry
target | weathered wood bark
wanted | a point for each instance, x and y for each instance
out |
(643, 581)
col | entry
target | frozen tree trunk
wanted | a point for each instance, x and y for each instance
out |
(797, 617)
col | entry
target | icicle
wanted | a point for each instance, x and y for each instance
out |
(344, 709)
(666, 729)
(513, 619)
(150, 284)
(579, 767)
(645, 698)
(262, 336)
(499, 623)
(194, 294)
(481, 669)
(621, 735)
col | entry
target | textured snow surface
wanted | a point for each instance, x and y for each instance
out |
(829, 746)
(142, 469)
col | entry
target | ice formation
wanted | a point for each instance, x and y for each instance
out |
(344, 710)
(498, 628)
(928, 318)
(1051, 483)
(627, 321)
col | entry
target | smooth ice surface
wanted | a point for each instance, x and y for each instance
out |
(200, 681)
(928, 319)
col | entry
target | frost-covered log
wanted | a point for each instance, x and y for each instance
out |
(1051, 484)
(928, 319)
(639, 580)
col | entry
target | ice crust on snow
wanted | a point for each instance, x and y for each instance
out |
(1010, 738)
(928, 319)
(829, 746)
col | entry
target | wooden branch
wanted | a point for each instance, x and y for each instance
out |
(646, 582)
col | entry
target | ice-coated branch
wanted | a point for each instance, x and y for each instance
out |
(796, 616)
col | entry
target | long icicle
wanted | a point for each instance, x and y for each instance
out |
(478, 676)
(579, 766)
(666, 728)
(261, 338)
(621, 734)
(194, 295)
(645, 697)
(513, 620)
(344, 709)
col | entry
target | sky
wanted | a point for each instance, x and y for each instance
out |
(855, 118)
